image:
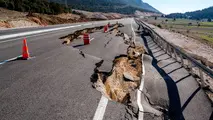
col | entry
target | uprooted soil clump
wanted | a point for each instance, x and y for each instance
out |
(124, 77)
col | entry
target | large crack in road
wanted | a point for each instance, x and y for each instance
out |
(69, 38)
(124, 76)
(121, 83)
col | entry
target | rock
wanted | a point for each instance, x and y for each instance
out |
(128, 76)
(117, 85)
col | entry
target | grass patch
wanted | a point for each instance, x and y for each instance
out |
(207, 23)
(206, 37)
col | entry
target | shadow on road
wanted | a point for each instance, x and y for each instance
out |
(190, 98)
(76, 46)
(169, 64)
(211, 118)
(175, 110)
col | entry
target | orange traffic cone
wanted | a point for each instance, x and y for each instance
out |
(105, 28)
(86, 39)
(25, 52)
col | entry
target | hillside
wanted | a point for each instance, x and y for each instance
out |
(38, 6)
(199, 14)
(15, 19)
(120, 6)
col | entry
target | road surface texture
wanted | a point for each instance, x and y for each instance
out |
(55, 84)
(169, 85)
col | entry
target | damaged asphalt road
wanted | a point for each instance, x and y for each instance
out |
(61, 81)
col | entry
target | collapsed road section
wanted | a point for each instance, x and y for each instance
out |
(124, 77)
(118, 74)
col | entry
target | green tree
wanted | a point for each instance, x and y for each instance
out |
(18, 5)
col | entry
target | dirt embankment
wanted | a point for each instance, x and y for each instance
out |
(14, 19)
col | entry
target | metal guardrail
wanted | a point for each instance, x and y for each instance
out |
(176, 52)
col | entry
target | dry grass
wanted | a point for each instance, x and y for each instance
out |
(202, 33)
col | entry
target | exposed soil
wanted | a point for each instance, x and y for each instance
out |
(124, 77)
(121, 82)
(15, 19)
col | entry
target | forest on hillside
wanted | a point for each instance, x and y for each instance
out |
(200, 14)
(118, 6)
(57, 6)
(38, 6)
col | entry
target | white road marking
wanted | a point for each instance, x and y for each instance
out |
(15, 39)
(11, 59)
(141, 110)
(46, 30)
(35, 32)
(99, 114)
(91, 39)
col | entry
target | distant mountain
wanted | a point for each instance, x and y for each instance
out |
(141, 4)
(199, 14)
(120, 6)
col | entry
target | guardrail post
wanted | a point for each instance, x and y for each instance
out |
(178, 54)
(161, 43)
(167, 47)
(175, 53)
(169, 50)
(202, 78)
(182, 62)
(190, 67)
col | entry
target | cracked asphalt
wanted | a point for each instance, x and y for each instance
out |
(55, 85)
(169, 86)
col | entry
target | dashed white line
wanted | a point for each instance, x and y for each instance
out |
(11, 59)
(99, 114)
(141, 110)
(91, 39)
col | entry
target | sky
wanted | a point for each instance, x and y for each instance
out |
(181, 6)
